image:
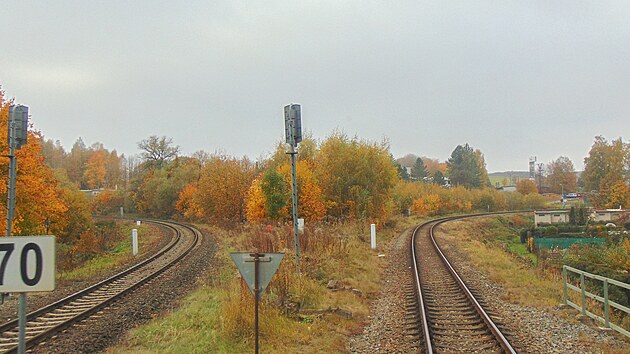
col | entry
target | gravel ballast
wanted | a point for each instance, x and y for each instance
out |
(529, 329)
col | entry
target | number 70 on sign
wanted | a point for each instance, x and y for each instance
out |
(27, 264)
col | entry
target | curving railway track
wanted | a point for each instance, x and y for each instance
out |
(451, 319)
(51, 319)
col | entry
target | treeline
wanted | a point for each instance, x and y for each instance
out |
(339, 178)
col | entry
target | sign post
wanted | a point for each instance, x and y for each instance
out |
(293, 136)
(27, 264)
(257, 269)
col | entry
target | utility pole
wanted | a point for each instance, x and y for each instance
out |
(293, 136)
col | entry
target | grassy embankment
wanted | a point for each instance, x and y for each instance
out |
(493, 246)
(218, 317)
(119, 254)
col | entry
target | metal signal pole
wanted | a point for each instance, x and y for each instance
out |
(18, 134)
(293, 135)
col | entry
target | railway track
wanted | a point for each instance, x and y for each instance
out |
(56, 317)
(451, 319)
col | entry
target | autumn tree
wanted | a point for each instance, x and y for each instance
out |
(606, 170)
(158, 150)
(356, 177)
(53, 153)
(75, 163)
(434, 165)
(187, 205)
(310, 198)
(526, 186)
(618, 196)
(606, 164)
(114, 167)
(255, 202)
(561, 176)
(155, 191)
(480, 161)
(38, 196)
(95, 169)
(219, 192)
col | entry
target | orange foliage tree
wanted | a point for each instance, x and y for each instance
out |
(220, 191)
(311, 205)
(37, 194)
(96, 170)
(526, 186)
(255, 202)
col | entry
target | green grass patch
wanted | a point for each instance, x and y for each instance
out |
(101, 263)
(118, 255)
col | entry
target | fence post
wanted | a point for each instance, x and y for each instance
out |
(606, 309)
(564, 277)
(583, 287)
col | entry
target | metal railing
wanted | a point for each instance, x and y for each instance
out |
(584, 294)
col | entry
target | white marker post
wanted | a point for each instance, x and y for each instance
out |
(301, 225)
(373, 236)
(134, 241)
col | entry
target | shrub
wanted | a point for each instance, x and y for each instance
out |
(551, 231)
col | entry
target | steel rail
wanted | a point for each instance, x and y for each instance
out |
(423, 315)
(502, 341)
(12, 325)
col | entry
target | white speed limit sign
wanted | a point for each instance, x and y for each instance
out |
(27, 264)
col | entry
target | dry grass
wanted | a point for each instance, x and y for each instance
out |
(482, 240)
(219, 317)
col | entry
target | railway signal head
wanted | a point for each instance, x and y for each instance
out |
(18, 120)
(293, 124)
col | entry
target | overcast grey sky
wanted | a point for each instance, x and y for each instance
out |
(512, 78)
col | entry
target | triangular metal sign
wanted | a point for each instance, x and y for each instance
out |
(267, 266)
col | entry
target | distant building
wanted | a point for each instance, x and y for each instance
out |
(548, 217)
(507, 188)
(608, 215)
(95, 192)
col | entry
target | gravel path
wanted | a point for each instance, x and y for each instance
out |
(530, 330)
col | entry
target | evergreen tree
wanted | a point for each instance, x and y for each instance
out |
(466, 167)
(418, 171)
(276, 192)
(402, 172)
(572, 216)
(581, 216)
(438, 178)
